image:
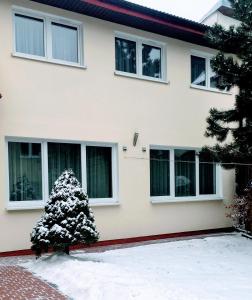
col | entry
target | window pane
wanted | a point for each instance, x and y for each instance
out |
(24, 149)
(185, 183)
(65, 42)
(207, 176)
(159, 172)
(63, 156)
(198, 70)
(25, 172)
(35, 149)
(29, 34)
(125, 55)
(99, 172)
(151, 61)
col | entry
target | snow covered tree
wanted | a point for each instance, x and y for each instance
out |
(233, 71)
(67, 220)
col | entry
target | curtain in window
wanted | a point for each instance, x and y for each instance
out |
(159, 172)
(64, 42)
(25, 172)
(198, 70)
(99, 172)
(125, 55)
(29, 34)
(185, 178)
(63, 156)
(207, 176)
(151, 57)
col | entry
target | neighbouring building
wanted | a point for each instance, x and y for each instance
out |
(221, 13)
(120, 94)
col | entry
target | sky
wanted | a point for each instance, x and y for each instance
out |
(189, 9)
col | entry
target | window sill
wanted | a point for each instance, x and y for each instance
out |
(25, 205)
(160, 200)
(40, 205)
(139, 77)
(203, 88)
(50, 61)
(103, 202)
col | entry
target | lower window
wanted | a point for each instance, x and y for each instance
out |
(207, 176)
(31, 176)
(99, 172)
(160, 172)
(185, 173)
(25, 171)
(62, 156)
(179, 173)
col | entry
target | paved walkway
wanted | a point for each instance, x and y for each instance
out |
(16, 283)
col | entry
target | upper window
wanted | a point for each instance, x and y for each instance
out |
(29, 33)
(202, 74)
(125, 55)
(31, 178)
(41, 36)
(139, 57)
(181, 173)
(64, 42)
(151, 61)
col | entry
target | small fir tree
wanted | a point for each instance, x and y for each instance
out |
(233, 71)
(67, 220)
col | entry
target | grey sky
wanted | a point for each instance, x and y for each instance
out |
(190, 9)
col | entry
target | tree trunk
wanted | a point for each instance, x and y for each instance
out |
(66, 249)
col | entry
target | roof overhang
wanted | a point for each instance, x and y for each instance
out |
(223, 6)
(133, 15)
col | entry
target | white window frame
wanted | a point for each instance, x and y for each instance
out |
(172, 198)
(48, 19)
(207, 57)
(38, 204)
(207, 87)
(139, 72)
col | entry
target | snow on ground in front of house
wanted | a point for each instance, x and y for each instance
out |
(213, 268)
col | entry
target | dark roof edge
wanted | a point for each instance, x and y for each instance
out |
(136, 16)
(157, 13)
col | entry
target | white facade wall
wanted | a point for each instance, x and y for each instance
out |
(55, 102)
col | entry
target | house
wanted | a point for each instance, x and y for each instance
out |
(120, 94)
(221, 13)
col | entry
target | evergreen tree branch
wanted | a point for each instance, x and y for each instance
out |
(242, 10)
(227, 69)
(216, 123)
(233, 71)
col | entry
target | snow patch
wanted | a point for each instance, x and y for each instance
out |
(213, 268)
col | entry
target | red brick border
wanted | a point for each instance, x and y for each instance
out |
(128, 240)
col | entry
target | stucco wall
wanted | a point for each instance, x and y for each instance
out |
(50, 101)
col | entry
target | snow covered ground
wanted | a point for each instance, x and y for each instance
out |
(213, 268)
